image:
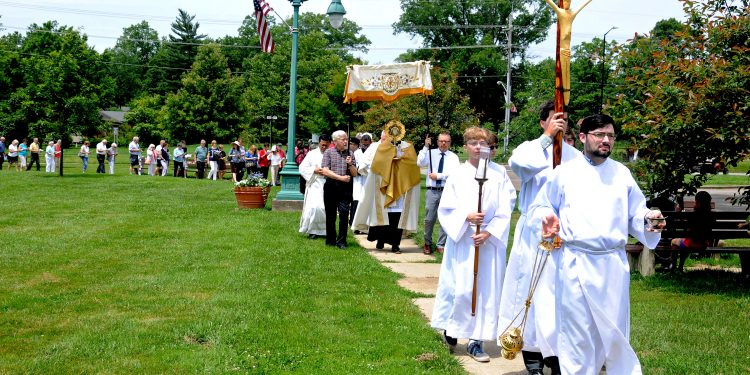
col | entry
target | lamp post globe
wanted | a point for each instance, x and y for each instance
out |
(336, 14)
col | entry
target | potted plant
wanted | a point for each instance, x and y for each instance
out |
(252, 192)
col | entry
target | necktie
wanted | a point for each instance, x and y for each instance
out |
(440, 167)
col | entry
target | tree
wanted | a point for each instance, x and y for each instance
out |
(474, 23)
(61, 86)
(176, 56)
(324, 54)
(209, 104)
(686, 98)
(129, 60)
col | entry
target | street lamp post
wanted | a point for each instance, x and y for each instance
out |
(290, 175)
(604, 77)
(270, 128)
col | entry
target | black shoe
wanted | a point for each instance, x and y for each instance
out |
(380, 245)
(396, 250)
(342, 246)
(536, 372)
(312, 236)
(451, 341)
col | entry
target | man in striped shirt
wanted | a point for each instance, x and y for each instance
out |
(338, 168)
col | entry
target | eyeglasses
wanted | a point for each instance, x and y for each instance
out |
(475, 142)
(600, 136)
(493, 147)
(443, 141)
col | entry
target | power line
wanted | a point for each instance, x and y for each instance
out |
(478, 46)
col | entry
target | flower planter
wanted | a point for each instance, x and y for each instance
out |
(251, 196)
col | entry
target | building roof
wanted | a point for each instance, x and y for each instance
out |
(113, 116)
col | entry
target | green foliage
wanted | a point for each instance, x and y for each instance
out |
(57, 85)
(321, 76)
(209, 104)
(129, 60)
(686, 99)
(176, 56)
(477, 70)
(145, 119)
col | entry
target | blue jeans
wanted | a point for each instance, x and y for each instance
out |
(85, 162)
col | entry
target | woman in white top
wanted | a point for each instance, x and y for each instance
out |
(49, 157)
(275, 159)
(151, 159)
(13, 155)
(84, 155)
(111, 154)
(213, 161)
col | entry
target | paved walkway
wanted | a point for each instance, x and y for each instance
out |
(421, 276)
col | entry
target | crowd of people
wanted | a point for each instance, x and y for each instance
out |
(268, 161)
(579, 318)
(22, 156)
(155, 160)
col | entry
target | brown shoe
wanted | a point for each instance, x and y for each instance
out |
(427, 249)
(440, 250)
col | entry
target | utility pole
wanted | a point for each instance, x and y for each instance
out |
(507, 82)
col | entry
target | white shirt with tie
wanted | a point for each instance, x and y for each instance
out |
(450, 164)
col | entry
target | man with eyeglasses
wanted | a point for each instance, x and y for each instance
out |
(532, 163)
(440, 162)
(593, 204)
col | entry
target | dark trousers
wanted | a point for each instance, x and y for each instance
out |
(179, 169)
(201, 166)
(2, 160)
(99, 159)
(337, 196)
(535, 361)
(264, 171)
(387, 234)
(239, 170)
(34, 159)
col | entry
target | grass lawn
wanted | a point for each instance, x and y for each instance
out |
(725, 179)
(124, 274)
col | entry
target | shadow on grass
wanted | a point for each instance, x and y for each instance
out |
(716, 282)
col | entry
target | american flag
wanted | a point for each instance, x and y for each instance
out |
(261, 11)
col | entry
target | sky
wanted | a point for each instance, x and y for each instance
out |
(104, 20)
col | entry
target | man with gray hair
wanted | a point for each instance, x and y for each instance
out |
(338, 167)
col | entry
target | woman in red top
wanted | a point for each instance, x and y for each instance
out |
(263, 162)
(58, 151)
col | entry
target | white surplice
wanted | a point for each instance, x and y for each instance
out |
(532, 163)
(452, 311)
(598, 207)
(313, 220)
(358, 181)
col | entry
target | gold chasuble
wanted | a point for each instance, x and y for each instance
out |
(398, 174)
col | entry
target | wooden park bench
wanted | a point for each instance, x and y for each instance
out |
(726, 227)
